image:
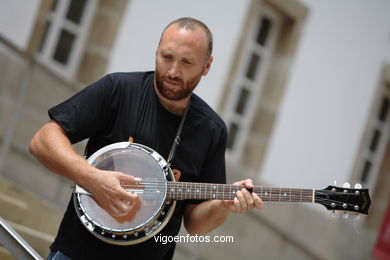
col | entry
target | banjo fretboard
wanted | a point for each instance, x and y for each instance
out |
(206, 191)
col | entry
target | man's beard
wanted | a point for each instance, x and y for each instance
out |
(179, 92)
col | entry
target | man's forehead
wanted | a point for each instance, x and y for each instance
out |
(184, 37)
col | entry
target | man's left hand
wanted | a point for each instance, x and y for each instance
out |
(244, 200)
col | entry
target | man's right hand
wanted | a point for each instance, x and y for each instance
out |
(108, 192)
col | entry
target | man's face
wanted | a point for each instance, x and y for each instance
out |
(180, 62)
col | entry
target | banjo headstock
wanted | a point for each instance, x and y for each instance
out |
(334, 198)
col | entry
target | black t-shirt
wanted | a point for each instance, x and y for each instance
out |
(121, 105)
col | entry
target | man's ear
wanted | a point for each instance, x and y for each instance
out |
(207, 66)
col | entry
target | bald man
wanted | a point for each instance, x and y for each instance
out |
(147, 106)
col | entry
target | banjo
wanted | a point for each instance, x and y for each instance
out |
(158, 192)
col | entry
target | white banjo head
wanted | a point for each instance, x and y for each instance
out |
(149, 214)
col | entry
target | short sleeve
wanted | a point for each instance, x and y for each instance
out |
(84, 114)
(214, 169)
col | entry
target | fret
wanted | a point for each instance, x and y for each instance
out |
(261, 192)
(177, 190)
(269, 194)
(280, 193)
(204, 191)
(187, 191)
(200, 188)
(182, 191)
(266, 193)
(196, 191)
(286, 195)
(226, 192)
(300, 199)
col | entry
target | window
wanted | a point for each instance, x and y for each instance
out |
(64, 35)
(252, 66)
(378, 137)
(64, 46)
(246, 88)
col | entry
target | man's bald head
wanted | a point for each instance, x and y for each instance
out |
(193, 24)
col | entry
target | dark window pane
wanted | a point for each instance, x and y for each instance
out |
(54, 5)
(240, 108)
(265, 27)
(75, 11)
(384, 109)
(44, 36)
(64, 47)
(366, 171)
(233, 130)
(253, 64)
(375, 140)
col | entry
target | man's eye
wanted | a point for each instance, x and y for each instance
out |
(187, 62)
(167, 57)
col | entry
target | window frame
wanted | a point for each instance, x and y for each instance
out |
(374, 157)
(253, 86)
(58, 22)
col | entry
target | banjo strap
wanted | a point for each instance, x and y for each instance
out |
(176, 141)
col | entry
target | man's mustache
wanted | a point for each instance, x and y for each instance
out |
(175, 80)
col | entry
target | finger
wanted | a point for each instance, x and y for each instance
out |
(248, 183)
(240, 197)
(114, 209)
(122, 210)
(258, 202)
(237, 205)
(123, 207)
(128, 179)
(127, 196)
(248, 199)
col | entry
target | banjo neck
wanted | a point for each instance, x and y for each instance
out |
(355, 200)
(208, 191)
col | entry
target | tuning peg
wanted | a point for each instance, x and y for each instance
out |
(357, 217)
(334, 183)
(358, 186)
(345, 215)
(346, 185)
(333, 214)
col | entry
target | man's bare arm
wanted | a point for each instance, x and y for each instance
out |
(52, 148)
(208, 215)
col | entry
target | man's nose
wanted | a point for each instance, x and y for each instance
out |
(174, 70)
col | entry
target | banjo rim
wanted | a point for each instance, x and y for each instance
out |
(135, 232)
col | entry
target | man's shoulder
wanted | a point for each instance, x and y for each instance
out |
(208, 113)
(129, 82)
(118, 77)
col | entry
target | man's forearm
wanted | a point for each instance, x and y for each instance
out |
(204, 217)
(53, 149)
